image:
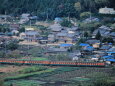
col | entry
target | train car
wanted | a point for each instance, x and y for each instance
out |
(55, 63)
(37, 62)
(76, 64)
(62, 63)
(90, 64)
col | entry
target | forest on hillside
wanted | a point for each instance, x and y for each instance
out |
(53, 8)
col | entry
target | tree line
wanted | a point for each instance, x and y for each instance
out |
(52, 8)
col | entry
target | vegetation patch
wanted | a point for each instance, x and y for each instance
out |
(37, 59)
(20, 76)
(80, 79)
(32, 69)
(25, 83)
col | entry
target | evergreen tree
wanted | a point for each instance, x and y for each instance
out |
(52, 8)
(98, 36)
(86, 34)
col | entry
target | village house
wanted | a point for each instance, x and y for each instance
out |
(111, 53)
(106, 10)
(43, 40)
(75, 53)
(75, 56)
(56, 50)
(15, 32)
(92, 41)
(14, 26)
(75, 28)
(58, 20)
(112, 34)
(22, 35)
(105, 47)
(4, 39)
(65, 37)
(95, 43)
(4, 17)
(55, 28)
(65, 46)
(61, 37)
(51, 38)
(112, 49)
(25, 15)
(104, 31)
(30, 35)
(24, 18)
(91, 19)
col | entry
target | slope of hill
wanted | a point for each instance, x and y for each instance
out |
(52, 8)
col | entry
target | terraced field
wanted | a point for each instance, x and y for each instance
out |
(57, 76)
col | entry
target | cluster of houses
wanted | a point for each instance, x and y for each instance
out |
(94, 47)
(105, 32)
(25, 17)
(61, 34)
(62, 39)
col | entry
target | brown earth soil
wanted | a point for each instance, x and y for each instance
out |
(10, 69)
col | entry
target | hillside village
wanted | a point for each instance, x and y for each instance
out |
(57, 43)
(86, 40)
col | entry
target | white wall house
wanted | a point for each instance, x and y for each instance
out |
(106, 10)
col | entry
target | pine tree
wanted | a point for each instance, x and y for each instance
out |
(98, 36)
(86, 34)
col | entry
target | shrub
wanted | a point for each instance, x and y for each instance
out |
(85, 14)
(66, 23)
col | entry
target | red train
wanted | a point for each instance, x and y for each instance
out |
(56, 63)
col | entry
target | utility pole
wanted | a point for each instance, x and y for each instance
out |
(69, 16)
(90, 15)
(28, 43)
(5, 46)
(30, 23)
(5, 16)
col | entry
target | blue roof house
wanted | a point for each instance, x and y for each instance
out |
(84, 44)
(89, 48)
(58, 20)
(108, 57)
(111, 60)
(66, 45)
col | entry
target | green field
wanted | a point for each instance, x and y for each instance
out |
(25, 83)
(63, 76)
(36, 59)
